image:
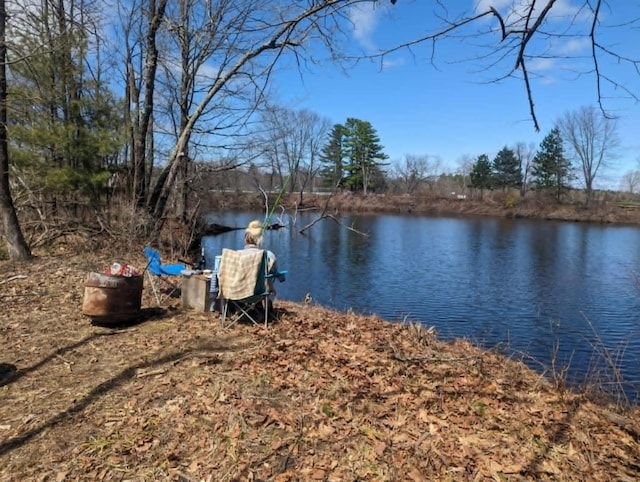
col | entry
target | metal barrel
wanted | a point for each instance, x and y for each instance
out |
(112, 298)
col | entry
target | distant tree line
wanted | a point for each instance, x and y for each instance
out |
(582, 143)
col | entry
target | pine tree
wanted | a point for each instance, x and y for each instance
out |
(365, 154)
(482, 174)
(332, 156)
(353, 156)
(551, 169)
(506, 168)
(66, 126)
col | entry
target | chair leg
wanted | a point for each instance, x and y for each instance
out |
(172, 291)
(227, 319)
(266, 311)
(223, 316)
(252, 311)
(153, 287)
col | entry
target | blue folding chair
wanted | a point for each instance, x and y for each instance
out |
(158, 273)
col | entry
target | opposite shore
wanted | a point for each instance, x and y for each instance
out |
(497, 205)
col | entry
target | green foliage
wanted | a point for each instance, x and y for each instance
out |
(551, 170)
(65, 127)
(354, 156)
(506, 169)
(332, 157)
(482, 173)
(328, 410)
(66, 180)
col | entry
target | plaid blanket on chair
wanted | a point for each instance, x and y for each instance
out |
(239, 272)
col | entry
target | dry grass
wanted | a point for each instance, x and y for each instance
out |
(319, 395)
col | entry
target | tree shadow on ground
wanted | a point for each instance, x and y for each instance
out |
(10, 373)
(559, 434)
(125, 375)
(19, 373)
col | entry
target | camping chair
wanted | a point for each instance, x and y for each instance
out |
(244, 286)
(159, 273)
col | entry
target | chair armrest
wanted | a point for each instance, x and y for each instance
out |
(280, 275)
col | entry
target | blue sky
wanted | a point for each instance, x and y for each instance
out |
(453, 109)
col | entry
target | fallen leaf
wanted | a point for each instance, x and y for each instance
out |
(416, 475)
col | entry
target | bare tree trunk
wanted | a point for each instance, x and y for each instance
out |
(187, 80)
(592, 139)
(16, 244)
(142, 118)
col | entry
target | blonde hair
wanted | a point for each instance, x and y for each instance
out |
(253, 233)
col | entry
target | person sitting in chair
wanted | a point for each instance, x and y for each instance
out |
(253, 240)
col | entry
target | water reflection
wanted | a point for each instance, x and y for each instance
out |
(527, 285)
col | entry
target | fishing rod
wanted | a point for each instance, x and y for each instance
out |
(277, 201)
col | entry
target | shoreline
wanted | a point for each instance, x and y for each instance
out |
(605, 212)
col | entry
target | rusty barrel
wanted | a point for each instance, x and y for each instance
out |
(112, 298)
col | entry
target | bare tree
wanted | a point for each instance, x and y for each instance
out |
(250, 45)
(141, 21)
(416, 170)
(534, 32)
(291, 142)
(630, 181)
(199, 36)
(313, 130)
(591, 140)
(525, 154)
(16, 244)
(463, 172)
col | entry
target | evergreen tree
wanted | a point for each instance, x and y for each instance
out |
(353, 156)
(66, 125)
(365, 154)
(482, 174)
(551, 169)
(506, 169)
(332, 156)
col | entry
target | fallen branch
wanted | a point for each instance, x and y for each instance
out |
(421, 439)
(325, 215)
(12, 278)
(151, 373)
(403, 358)
(215, 358)
(24, 295)
(398, 356)
(350, 228)
(624, 423)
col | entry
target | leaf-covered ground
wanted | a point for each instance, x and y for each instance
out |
(319, 395)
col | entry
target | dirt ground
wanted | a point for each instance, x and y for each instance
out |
(318, 395)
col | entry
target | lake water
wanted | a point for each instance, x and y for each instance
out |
(563, 293)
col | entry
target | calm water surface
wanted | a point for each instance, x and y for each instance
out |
(552, 290)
